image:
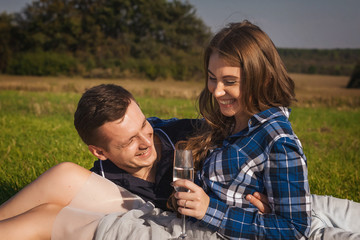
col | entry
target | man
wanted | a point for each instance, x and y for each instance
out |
(67, 200)
(134, 152)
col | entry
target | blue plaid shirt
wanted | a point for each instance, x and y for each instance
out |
(265, 157)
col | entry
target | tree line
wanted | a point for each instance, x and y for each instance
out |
(321, 61)
(103, 38)
(126, 38)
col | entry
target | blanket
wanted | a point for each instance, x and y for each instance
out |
(148, 222)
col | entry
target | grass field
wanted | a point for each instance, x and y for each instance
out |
(36, 126)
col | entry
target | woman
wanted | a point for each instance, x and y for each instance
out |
(251, 146)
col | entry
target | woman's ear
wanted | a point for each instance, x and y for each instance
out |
(97, 152)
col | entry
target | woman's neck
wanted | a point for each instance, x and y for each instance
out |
(241, 122)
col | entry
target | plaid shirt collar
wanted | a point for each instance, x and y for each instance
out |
(256, 120)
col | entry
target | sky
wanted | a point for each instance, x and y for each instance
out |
(322, 24)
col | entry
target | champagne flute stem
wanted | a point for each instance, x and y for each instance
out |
(183, 226)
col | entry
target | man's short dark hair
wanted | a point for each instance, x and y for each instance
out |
(98, 105)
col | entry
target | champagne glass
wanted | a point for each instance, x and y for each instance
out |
(183, 169)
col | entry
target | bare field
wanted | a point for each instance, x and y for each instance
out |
(328, 91)
(311, 90)
(166, 88)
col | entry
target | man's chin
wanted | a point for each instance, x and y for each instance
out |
(149, 161)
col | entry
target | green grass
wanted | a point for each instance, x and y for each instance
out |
(37, 132)
(331, 143)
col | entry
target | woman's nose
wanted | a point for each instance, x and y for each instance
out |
(219, 89)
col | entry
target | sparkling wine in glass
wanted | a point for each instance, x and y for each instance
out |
(183, 169)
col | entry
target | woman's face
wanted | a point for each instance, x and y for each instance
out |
(224, 84)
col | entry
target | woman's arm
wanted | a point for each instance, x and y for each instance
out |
(285, 179)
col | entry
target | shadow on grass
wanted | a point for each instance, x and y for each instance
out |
(6, 192)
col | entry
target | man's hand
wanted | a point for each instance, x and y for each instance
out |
(260, 201)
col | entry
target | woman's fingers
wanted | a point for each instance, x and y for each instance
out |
(191, 208)
(196, 200)
(186, 184)
(185, 203)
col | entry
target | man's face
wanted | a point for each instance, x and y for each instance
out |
(130, 143)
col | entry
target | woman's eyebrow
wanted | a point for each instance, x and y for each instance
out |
(230, 76)
(210, 72)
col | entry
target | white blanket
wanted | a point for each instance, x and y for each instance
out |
(148, 222)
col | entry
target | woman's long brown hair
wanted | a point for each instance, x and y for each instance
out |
(265, 82)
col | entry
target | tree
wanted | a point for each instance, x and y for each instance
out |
(355, 77)
(5, 40)
(159, 38)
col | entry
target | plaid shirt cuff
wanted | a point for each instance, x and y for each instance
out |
(214, 214)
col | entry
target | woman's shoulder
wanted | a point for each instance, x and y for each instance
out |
(267, 127)
(274, 121)
(278, 132)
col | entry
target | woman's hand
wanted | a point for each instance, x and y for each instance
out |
(260, 201)
(193, 203)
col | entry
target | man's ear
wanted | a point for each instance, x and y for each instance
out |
(97, 152)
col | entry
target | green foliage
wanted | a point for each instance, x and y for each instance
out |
(104, 36)
(316, 61)
(42, 64)
(37, 133)
(355, 77)
(5, 33)
(117, 38)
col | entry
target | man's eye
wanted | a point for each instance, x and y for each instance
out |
(212, 79)
(127, 144)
